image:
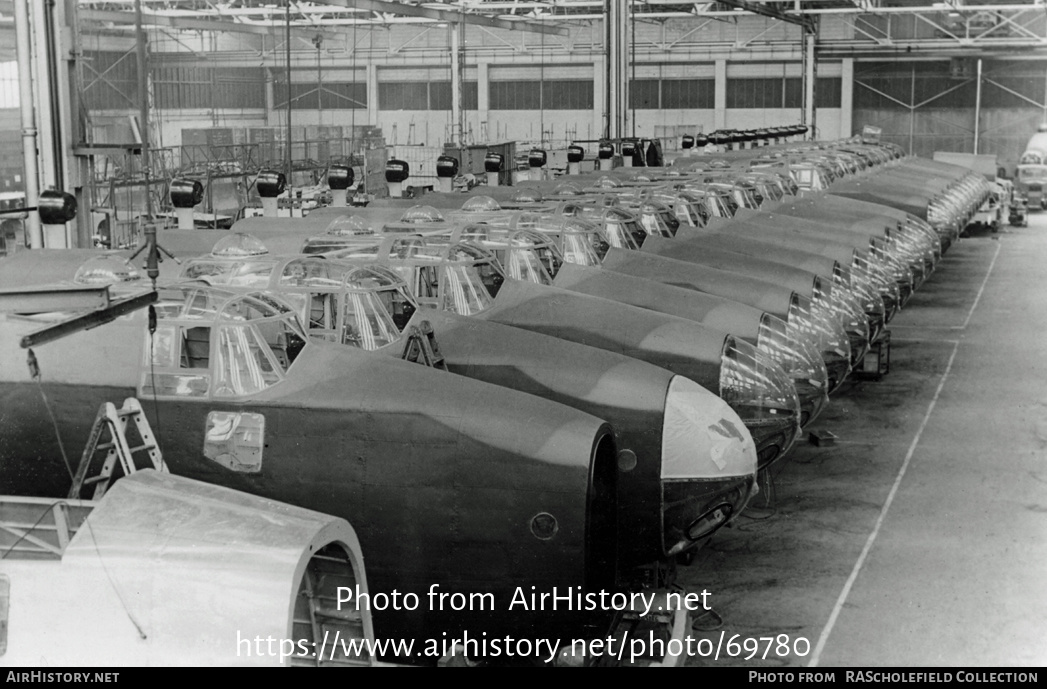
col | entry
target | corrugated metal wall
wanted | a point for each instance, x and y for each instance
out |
(657, 94)
(423, 95)
(1014, 103)
(556, 94)
(340, 89)
(181, 87)
(110, 80)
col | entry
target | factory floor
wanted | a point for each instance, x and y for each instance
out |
(920, 537)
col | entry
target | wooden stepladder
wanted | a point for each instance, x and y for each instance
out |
(117, 448)
(421, 347)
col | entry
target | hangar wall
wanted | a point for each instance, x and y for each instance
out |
(928, 106)
(689, 73)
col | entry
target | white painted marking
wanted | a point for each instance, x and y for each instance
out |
(815, 657)
(982, 288)
(970, 313)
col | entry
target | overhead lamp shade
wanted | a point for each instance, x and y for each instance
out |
(340, 177)
(56, 207)
(270, 184)
(397, 170)
(186, 193)
(493, 162)
(446, 166)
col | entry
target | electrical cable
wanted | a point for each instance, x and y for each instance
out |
(109, 577)
(34, 372)
(769, 491)
(541, 91)
(152, 369)
(353, 102)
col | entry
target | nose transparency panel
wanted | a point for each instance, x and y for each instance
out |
(800, 360)
(761, 393)
(697, 422)
(700, 426)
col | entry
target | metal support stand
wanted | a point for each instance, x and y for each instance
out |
(877, 361)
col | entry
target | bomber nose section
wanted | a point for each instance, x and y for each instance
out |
(841, 305)
(805, 322)
(882, 283)
(708, 465)
(801, 363)
(763, 396)
(869, 302)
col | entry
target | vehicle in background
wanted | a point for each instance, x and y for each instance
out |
(1032, 170)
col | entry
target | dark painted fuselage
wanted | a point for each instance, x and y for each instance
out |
(441, 476)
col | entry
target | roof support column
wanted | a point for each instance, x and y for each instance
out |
(978, 107)
(810, 74)
(616, 50)
(720, 95)
(142, 64)
(483, 100)
(599, 91)
(457, 79)
(847, 97)
(372, 95)
(25, 88)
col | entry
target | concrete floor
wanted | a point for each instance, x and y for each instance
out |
(920, 537)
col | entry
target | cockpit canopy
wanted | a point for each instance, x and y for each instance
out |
(239, 244)
(481, 204)
(214, 343)
(528, 195)
(525, 254)
(620, 228)
(421, 215)
(352, 226)
(107, 269)
(440, 273)
(567, 189)
(251, 271)
(363, 305)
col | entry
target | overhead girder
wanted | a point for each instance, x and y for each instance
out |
(1014, 24)
(764, 10)
(261, 20)
(190, 23)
